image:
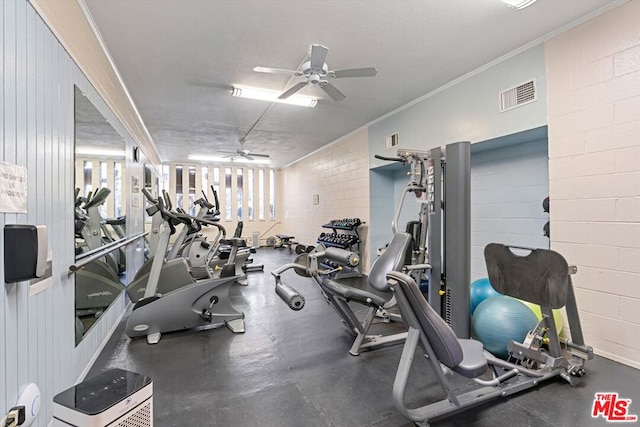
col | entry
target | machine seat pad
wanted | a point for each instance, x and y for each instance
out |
(540, 277)
(473, 362)
(353, 294)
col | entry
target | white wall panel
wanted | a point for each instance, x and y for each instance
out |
(37, 131)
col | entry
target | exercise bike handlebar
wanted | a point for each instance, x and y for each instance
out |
(204, 202)
(168, 216)
(98, 198)
(215, 198)
(167, 200)
(187, 217)
(149, 196)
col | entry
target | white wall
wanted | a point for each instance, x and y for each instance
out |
(339, 175)
(594, 149)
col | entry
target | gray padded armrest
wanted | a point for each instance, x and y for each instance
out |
(473, 362)
(353, 294)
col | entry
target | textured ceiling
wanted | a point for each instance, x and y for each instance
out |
(179, 60)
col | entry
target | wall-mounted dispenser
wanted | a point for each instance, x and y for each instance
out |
(25, 252)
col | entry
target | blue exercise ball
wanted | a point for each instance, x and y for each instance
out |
(500, 319)
(481, 289)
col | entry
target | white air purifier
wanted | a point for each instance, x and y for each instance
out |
(115, 398)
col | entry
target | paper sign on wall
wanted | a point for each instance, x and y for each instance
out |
(13, 188)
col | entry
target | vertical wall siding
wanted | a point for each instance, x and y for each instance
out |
(594, 150)
(37, 130)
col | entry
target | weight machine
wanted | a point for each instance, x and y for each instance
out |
(440, 179)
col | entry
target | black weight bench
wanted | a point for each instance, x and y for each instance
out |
(284, 241)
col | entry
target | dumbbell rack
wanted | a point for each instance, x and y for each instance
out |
(345, 236)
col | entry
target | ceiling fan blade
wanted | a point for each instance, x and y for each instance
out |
(248, 157)
(333, 92)
(259, 155)
(318, 55)
(274, 71)
(293, 89)
(354, 72)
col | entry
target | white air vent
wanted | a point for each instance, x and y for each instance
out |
(518, 96)
(391, 141)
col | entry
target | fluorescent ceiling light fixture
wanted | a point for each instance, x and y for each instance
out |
(234, 159)
(519, 4)
(272, 96)
(92, 151)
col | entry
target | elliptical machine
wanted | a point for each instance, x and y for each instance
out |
(195, 305)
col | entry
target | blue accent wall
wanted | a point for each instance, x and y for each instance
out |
(508, 185)
(467, 110)
(509, 179)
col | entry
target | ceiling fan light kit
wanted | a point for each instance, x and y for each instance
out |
(272, 96)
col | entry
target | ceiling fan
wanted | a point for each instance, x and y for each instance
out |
(316, 72)
(244, 153)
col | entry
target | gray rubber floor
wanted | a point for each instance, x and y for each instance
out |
(293, 369)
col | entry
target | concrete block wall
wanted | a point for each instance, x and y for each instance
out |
(593, 104)
(508, 185)
(339, 175)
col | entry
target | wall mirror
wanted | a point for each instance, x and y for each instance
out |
(100, 209)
